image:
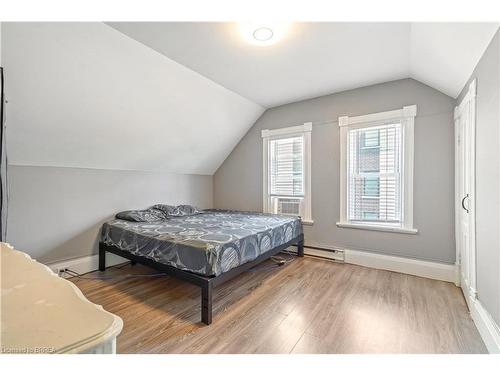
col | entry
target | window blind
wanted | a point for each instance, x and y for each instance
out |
(374, 183)
(287, 166)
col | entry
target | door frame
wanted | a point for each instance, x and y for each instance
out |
(467, 107)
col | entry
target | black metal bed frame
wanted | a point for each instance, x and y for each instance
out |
(207, 283)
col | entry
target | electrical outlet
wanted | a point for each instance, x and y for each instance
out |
(61, 271)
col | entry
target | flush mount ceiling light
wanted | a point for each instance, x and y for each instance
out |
(263, 34)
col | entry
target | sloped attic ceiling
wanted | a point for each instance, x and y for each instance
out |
(315, 59)
(85, 95)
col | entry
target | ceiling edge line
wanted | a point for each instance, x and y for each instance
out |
(185, 67)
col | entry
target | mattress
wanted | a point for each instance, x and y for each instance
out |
(208, 243)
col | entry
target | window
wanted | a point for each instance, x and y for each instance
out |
(287, 164)
(377, 171)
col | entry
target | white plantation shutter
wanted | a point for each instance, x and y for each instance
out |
(287, 166)
(374, 175)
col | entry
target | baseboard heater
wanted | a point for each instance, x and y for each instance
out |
(331, 253)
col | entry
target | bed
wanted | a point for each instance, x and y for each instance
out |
(205, 248)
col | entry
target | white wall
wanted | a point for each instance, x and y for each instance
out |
(86, 95)
(98, 123)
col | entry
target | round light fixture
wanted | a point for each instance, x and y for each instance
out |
(263, 34)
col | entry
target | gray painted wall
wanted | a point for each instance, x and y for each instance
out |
(487, 73)
(56, 213)
(238, 181)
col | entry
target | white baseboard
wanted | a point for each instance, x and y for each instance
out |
(431, 270)
(86, 264)
(487, 327)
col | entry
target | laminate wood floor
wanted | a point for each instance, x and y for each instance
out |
(306, 306)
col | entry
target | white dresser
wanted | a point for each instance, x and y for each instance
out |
(44, 313)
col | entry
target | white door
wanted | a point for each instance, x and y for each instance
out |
(465, 192)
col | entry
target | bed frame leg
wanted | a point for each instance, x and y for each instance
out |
(206, 303)
(102, 257)
(300, 247)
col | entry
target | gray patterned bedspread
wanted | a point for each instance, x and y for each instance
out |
(208, 243)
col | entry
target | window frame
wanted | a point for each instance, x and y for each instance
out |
(406, 116)
(268, 135)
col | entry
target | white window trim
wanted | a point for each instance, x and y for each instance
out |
(267, 135)
(407, 117)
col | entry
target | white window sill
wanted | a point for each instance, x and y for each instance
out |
(307, 222)
(378, 228)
